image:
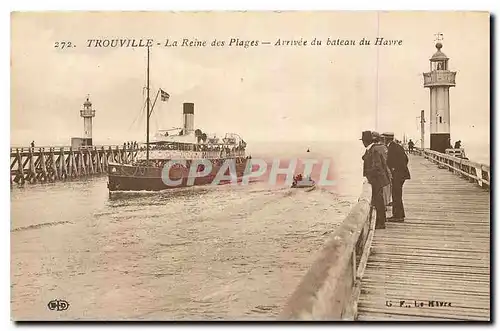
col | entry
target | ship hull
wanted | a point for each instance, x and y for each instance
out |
(133, 178)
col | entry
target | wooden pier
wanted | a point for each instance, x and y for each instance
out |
(49, 164)
(433, 266)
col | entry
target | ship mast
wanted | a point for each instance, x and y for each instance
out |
(147, 114)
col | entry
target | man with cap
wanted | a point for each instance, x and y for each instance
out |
(397, 161)
(374, 170)
(379, 143)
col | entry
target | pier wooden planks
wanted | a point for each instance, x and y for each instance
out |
(436, 265)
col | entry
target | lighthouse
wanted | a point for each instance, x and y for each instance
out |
(87, 113)
(439, 80)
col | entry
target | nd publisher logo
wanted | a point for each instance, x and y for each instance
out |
(58, 305)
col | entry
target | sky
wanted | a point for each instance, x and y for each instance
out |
(263, 93)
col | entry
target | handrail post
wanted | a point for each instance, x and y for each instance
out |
(354, 266)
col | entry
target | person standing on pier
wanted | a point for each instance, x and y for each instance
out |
(373, 170)
(32, 143)
(411, 145)
(379, 143)
(397, 160)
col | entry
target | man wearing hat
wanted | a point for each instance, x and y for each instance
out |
(379, 143)
(397, 160)
(374, 169)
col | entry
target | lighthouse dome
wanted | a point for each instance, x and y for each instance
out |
(439, 56)
(87, 103)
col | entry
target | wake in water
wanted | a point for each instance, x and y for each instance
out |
(38, 226)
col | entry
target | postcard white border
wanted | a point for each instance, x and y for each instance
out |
(24, 5)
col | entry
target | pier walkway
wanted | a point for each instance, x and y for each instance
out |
(433, 266)
(439, 257)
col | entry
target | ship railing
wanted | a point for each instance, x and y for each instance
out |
(192, 154)
(222, 154)
(219, 154)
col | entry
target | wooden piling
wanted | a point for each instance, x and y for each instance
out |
(50, 164)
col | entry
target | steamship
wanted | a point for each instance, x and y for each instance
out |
(147, 172)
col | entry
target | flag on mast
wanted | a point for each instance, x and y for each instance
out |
(164, 95)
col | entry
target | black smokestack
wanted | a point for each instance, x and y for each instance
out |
(188, 117)
(188, 108)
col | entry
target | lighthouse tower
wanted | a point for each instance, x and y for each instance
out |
(439, 80)
(87, 113)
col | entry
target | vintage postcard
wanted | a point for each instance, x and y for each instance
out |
(240, 166)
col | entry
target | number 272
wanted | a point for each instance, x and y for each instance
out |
(63, 44)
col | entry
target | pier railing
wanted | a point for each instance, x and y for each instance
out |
(50, 164)
(38, 149)
(331, 287)
(472, 171)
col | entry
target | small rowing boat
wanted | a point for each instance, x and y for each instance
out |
(298, 182)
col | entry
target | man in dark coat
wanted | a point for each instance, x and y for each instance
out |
(374, 170)
(378, 143)
(411, 145)
(397, 161)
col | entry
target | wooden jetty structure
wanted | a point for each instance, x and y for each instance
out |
(434, 266)
(50, 164)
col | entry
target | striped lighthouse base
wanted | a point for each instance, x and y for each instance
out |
(440, 142)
